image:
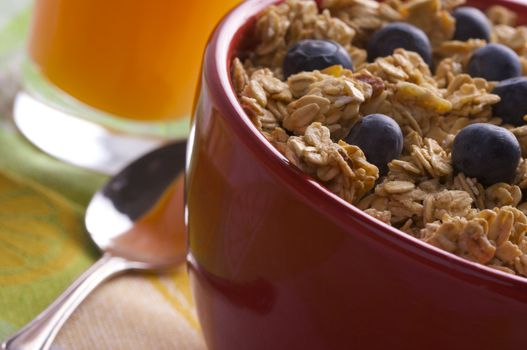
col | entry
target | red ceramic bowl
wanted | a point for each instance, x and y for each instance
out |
(278, 262)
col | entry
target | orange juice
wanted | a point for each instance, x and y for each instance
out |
(138, 59)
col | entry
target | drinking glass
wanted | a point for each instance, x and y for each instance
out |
(107, 80)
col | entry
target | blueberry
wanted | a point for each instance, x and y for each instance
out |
(471, 23)
(513, 104)
(399, 35)
(494, 62)
(310, 55)
(379, 137)
(487, 152)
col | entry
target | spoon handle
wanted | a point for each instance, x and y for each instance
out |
(40, 333)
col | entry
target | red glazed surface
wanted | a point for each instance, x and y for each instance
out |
(278, 262)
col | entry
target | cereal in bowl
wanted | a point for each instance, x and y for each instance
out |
(413, 111)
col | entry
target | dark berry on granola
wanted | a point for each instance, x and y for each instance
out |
(513, 105)
(399, 35)
(461, 126)
(471, 23)
(310, 55)
(495, 62)
(487, 152)
(379, 137)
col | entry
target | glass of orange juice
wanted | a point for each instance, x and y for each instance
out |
(128, 67)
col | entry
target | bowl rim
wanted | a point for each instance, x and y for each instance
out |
(216, 77)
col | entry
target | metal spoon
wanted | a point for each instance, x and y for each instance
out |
(136, 220)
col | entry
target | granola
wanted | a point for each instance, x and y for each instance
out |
(307, 116)
(333, 101)
(501, 15)
(341, 167)
(495, 237)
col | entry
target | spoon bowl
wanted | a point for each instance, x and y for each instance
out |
(134, 215)
(136, 220)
